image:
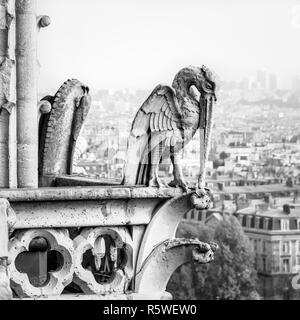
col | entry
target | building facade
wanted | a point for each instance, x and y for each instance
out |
(274, 233)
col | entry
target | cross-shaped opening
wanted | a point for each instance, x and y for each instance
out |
(38, 261)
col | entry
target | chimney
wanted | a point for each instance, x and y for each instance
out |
(286, 209)
(289, 182)
(257, 208)
(268, 199)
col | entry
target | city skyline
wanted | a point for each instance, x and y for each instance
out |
(138, 44)
(245, 82)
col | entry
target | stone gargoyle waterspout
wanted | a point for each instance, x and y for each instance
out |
(166, 122)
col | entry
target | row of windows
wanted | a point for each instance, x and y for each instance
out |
(262, 264)
(276, 248)
(250, 221)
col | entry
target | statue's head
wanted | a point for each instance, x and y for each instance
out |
(192, 79)
(209, 82)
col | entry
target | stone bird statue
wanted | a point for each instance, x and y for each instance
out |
(166, 122)
(59, 129)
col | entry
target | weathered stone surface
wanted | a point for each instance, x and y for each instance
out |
(59, 133)
(84, 214)
(201, 199)
(6, 66)
(26, 78)
(88, 193)
(160, 215)
(5, 291)
(166, 257)
(163, 225)
(7, 223)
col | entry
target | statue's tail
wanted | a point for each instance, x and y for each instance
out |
(136, 167)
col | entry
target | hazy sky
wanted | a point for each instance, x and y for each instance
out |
(138, 44)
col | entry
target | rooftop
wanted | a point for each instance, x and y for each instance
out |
(277, 212)
(266, 188)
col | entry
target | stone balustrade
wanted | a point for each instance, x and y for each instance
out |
(101, 242)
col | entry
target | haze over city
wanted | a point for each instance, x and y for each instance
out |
(137, 44)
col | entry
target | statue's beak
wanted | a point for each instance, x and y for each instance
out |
(206, 114)
(206, 101)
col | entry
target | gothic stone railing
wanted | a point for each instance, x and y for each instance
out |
(116, 242)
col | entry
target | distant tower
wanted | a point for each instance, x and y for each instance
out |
(261, 79)
(272, 82)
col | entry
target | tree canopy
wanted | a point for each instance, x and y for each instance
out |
(231, 276)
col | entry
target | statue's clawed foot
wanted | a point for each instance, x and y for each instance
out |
(155, 182)
(179, 182)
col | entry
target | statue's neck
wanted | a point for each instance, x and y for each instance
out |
(185, 99)
(181, 88)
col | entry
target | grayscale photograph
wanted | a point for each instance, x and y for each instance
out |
(149, 150)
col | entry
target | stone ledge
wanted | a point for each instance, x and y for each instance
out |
(106, 192)
(88, 193)
(125, 296)
(59, 214)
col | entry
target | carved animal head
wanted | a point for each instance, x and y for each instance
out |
(201, 79)
(209, 84)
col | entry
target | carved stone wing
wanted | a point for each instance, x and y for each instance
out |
(158, 119)
(158, 113)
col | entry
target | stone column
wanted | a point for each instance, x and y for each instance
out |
(26, 74)
(6, 65)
